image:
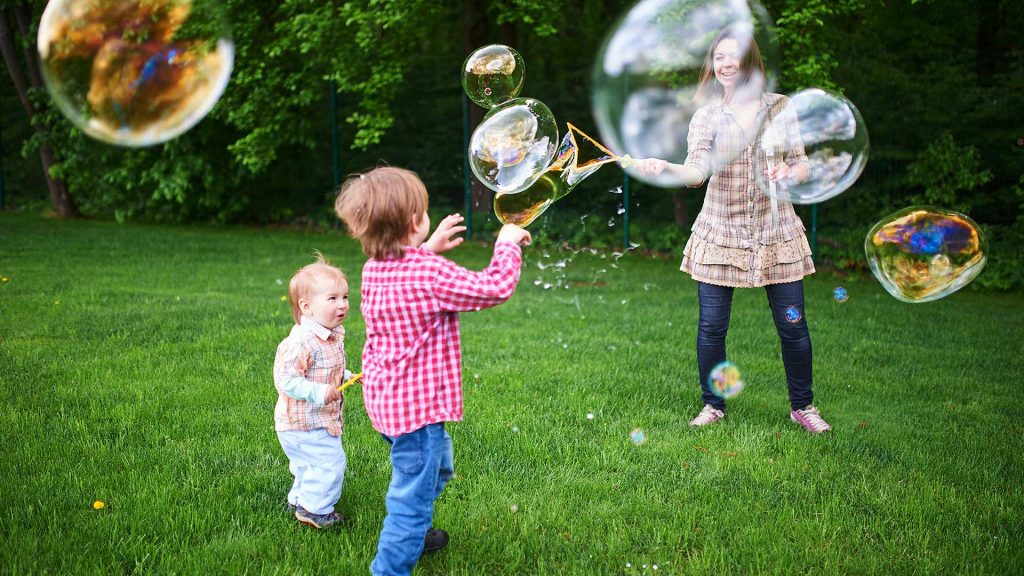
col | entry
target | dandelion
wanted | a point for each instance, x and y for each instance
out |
(284, 298)
(98, 505)
(4, 279)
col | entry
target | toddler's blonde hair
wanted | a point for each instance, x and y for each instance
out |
(379, 208)
(306, 277)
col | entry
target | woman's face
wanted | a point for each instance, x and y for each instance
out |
(726, 59)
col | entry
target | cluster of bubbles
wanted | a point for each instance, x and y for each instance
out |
(922, 253)
(135, 72)
(515, 150)
(725, 380)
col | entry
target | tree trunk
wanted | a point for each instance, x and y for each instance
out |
(679, 205)
(63, 204)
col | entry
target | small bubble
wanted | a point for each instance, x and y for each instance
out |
(638, 436)
(612, 347)
(620, 209)
(624, 301)
(515, 429)
(611, 222)
(280, 282)
(537, 282)
(793, 314)
(616, 190)
(590, 415)
(547, 285)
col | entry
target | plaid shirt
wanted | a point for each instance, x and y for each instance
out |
(739, 238)
(308, 361)
(412, 361)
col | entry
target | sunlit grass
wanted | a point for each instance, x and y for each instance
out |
(135, 364)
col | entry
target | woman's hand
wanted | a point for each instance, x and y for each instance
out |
(443, 239)
(780, 171)
(649, 167)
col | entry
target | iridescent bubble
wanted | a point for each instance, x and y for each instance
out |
(637, 436)
(821, 137)
(513, 145)
(725, 380)
(135, 72)
(793, 314)
(493, 74)
(922, 253)
(839, 294)
(648, 69)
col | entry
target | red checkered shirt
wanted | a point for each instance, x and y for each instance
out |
(412, 361)
(308, 361)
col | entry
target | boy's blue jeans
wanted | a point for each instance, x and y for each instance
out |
(421, 465)
(715, 310)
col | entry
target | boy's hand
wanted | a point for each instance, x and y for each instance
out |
(513, 233)
(332, 395)
(443, 240)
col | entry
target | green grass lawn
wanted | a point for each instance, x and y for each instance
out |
(135, 367)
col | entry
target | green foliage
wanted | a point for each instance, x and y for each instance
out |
(947, 173)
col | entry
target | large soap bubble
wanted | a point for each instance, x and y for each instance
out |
(648, 69)
(493, 74)
(513, 145)
(135, 72)
(923, 253)
(829, 131)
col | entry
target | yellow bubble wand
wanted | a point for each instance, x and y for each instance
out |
(350, 382)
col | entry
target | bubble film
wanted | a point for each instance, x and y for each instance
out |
(725, 380)
(513, 145)
(922, 253)
(135, 72)
(825, 128)
(840, 295)
(638, 436)
(578, 156)
(493, 75)
(648, 68)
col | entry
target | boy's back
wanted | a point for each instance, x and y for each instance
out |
(412, 358)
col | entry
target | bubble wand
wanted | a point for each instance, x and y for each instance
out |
(350, 382)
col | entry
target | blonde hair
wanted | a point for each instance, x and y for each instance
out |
(379, 206)
(306, 277)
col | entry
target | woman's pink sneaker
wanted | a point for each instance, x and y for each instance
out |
(709, 415)
(810, 419)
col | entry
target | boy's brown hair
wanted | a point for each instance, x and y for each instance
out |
(379, 208)
(305, 278)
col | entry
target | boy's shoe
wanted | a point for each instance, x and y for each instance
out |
(810, 419)
(434, 540)
(318, 520)
(709, 415)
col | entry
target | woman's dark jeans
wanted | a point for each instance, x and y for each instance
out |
(715, 308)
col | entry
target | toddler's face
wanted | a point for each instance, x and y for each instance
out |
(327, 303)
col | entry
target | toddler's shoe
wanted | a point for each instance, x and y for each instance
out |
(709, 415)
(810, 419)
(291, 508)
(318, 520)
(435, 540)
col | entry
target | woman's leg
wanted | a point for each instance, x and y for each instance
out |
(715, 309)
(787, 304)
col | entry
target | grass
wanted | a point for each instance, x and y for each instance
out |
(135, 364)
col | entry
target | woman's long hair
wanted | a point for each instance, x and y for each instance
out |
(753, 78)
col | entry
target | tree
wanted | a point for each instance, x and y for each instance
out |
(26, 75)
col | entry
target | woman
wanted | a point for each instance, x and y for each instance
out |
(744, 238)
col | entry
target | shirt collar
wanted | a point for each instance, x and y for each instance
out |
(313, 326)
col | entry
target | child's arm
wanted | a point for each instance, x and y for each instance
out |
(290, 377)
(461, 290)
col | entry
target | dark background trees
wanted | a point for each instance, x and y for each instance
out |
(940, 85)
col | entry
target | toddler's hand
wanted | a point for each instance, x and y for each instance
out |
(443, 240)
(332, 395)
(513, 233)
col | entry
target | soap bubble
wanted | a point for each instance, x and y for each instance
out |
(832, 134)
(638, 436)
(647, 72)
(922, 253)
(513, 145)
(135, 72)
(492, 75)
(793, 314)
(839, 294)
(725, 380)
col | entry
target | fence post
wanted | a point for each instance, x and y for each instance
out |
(625, 205)
(467, 187)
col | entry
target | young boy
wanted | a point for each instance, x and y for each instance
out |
(412, 381)
(309, 366)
